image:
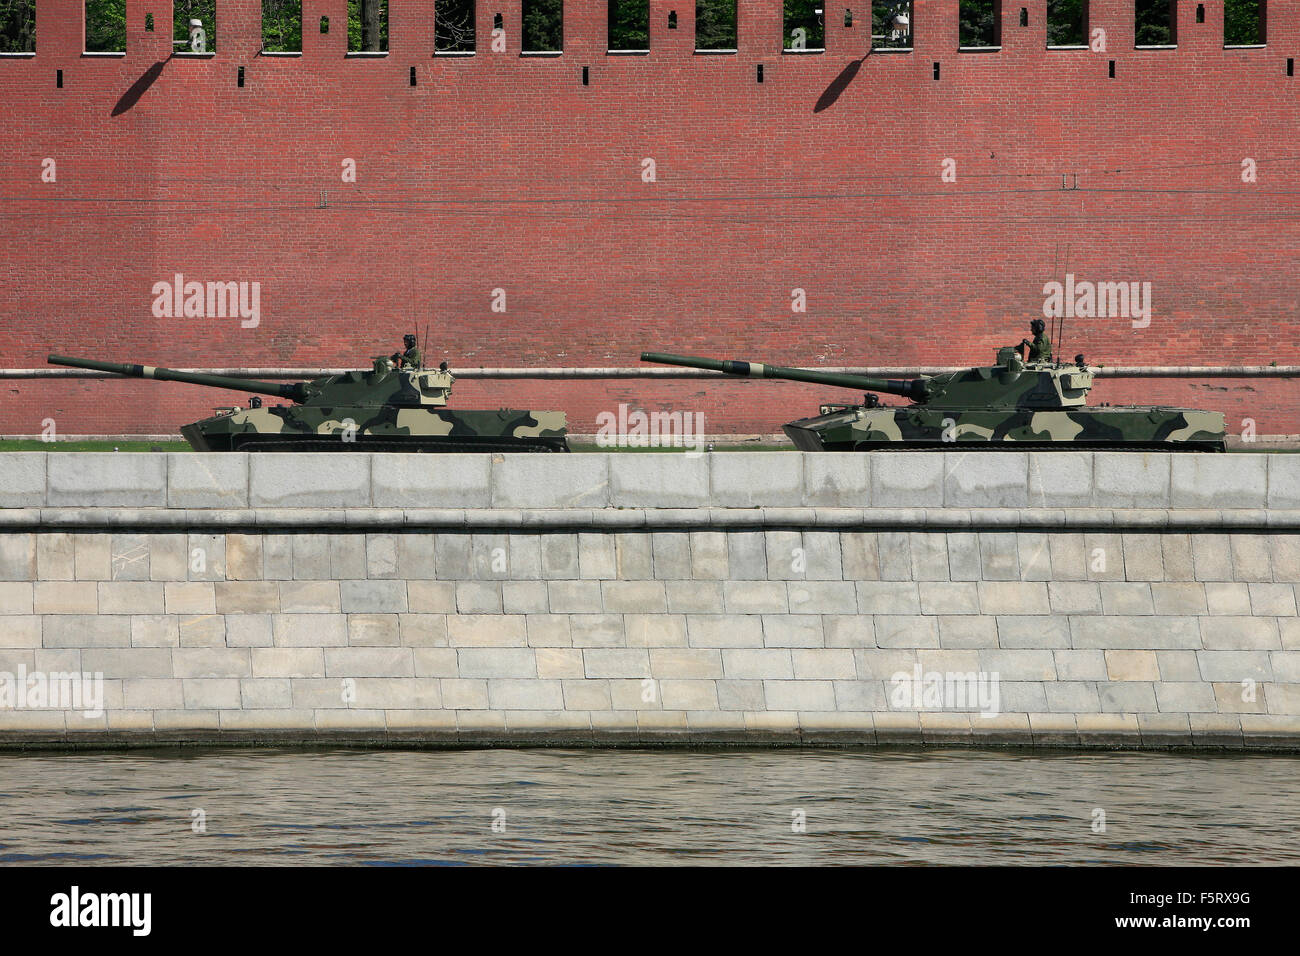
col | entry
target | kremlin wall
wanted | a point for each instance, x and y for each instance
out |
(853, 208)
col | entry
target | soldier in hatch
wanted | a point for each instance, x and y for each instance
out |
(411, 357)
(1040, 349)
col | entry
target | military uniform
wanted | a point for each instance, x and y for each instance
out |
(412, 358)
(1040, 349)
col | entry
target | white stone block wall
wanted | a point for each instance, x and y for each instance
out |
(1138, 599)
(731, 634)
(954, 479)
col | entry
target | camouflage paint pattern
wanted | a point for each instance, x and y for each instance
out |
(382, 409)
(1007, 405)
(864, 429)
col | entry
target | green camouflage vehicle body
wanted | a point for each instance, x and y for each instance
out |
(1010, 405)
(382, 409)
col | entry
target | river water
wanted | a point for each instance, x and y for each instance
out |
(384, 807)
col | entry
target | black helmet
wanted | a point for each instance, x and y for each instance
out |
(408, 340)
(1037, 325)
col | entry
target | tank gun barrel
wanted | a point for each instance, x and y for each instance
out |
(294, 391)
(914, 388)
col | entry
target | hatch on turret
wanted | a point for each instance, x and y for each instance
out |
(433, 386)
(1072, 384)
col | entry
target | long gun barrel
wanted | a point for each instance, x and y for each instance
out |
(294, 391)
(914, 388)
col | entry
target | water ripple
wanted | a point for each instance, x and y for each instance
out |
(814, 807)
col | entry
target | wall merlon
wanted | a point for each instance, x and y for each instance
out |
(759, 24)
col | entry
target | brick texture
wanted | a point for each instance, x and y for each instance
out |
(498, 171)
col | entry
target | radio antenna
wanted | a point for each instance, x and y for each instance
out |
(1058, 321)
(1060, 338)
(410, 306)
(1056, 270)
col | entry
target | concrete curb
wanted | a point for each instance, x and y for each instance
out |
(950, 481)
(644, 519)
(894, 737)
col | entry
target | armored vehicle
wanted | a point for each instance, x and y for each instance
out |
(1010, 405)
(384, 408)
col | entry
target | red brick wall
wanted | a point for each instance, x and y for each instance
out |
(502, 171)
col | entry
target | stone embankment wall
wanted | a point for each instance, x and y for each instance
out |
(1110, 598)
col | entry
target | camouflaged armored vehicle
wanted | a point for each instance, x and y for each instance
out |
(383, 409)
(1010, 405)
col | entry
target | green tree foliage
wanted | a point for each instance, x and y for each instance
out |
(800, 15)
(453, 26)
(715, 24)
(183, 11)
(1065, 26)
(978, 23)
(882, 17)
(105, 26)
(1154, 23)
(282, 26)
(629, 25)
(543, 26)
(1241, 23)
(17, 26)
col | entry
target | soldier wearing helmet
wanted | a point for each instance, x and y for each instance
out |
(410, 358)
(1040, 349)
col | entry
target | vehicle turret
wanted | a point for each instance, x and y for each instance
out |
(381, 385)
(1008, 384)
